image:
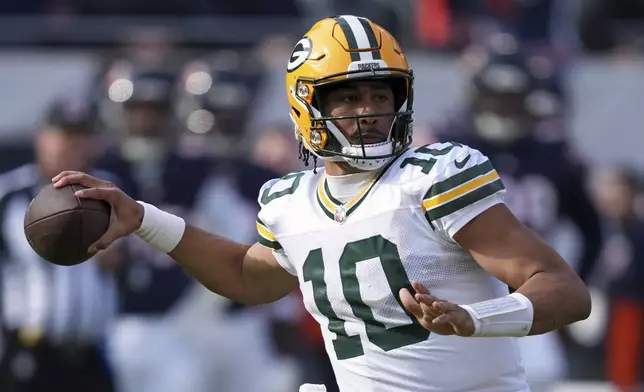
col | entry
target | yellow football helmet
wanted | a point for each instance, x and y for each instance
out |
(347, 49)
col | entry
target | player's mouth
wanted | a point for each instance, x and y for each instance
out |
(369, 138)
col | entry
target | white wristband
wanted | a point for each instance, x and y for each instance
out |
(511, 315)
(160, 229)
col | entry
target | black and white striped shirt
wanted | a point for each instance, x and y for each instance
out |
(67, 303)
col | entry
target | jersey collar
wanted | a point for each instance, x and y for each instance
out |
(338, 211)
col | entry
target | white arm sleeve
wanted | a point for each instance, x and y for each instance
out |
(265, 235)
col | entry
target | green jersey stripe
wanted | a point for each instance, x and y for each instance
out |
(323, 207)
(459, 179)
(465, 200)
(271, 244)
(329, 195)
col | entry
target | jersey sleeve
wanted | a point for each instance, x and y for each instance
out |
(265, 236)
(466, 184)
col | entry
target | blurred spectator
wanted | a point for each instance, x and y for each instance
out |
(157, 296)
(217, 93)
(623, 271)
(54, 317)
(511, 116)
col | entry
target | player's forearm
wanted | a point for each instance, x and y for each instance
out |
(243, 273)
(216, 262)
(558, 299)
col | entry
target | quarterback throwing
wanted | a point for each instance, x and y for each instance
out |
(404, 256)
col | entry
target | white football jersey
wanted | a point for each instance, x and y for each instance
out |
(352, 259)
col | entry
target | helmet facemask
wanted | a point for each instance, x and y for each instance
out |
(329, 143)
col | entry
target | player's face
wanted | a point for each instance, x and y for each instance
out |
(58, 150)
(360, 98)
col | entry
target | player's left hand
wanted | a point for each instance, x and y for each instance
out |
(436, 315)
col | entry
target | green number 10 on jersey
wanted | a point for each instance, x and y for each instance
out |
(346, 346)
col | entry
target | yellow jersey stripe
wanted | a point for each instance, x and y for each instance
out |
(264, 232)
(459, 191)
(357, 198)
(324, 198)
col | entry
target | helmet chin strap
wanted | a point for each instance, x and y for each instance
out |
(383, 148)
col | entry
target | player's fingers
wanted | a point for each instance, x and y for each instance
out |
(97, 193)
(444, 319)
(410, 303)
(81, 179)
(445, 306)
(63, 174)
(427, 304)
(426, 299)
(429, 311)
(419, 288)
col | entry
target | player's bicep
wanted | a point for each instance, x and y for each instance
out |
(268, 276)
(506, 248)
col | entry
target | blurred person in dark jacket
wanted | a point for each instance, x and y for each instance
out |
(516, 116)
(150, 345)
(216, 96)
(54, 318)
(622, 270)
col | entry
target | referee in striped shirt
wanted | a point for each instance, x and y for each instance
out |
(53, 318)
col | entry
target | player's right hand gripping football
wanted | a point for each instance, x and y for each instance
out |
(436, 315)
(126, 214)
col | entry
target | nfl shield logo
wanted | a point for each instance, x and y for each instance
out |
(340, 214)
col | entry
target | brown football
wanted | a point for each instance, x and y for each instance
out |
(60, 227)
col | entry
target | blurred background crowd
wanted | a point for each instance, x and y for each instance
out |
(182, 104)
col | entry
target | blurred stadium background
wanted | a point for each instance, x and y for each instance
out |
(201, 81)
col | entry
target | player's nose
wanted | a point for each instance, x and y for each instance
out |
(368, 120)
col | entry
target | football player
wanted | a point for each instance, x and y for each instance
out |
(403, 255)
(215, 96)
(516, 116)
(138, 105)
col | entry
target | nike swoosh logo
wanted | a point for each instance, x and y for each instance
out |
(463, 162)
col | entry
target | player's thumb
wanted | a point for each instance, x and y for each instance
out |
(410, 303)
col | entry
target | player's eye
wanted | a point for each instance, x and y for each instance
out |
(382, 97)
(349, 98)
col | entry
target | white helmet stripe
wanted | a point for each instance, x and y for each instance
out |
(360, 35)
